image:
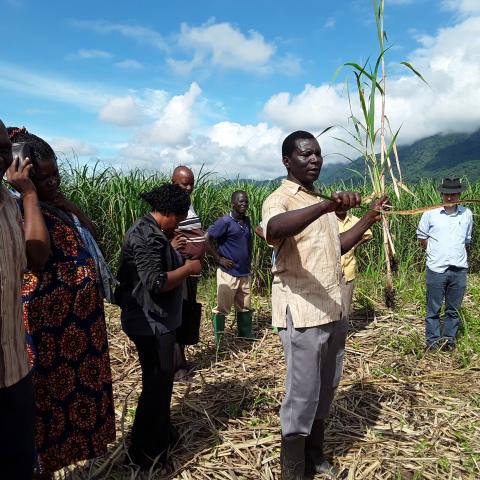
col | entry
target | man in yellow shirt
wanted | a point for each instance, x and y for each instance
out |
(346, 221)
(307, 299)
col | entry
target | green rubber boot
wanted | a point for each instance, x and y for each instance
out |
(244, 324)
(218, 321)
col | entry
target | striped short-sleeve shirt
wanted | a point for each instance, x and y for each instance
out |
(307, 270)
(13, 353)
(192, 221)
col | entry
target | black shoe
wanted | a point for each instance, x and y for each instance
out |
(292, 457)
(433, 347)
(324, 467)
(183, 375)
(174, 436)
(315, 459)
(145, 461)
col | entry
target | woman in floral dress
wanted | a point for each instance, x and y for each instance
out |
(67, 339)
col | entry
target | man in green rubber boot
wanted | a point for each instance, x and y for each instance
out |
(229, 241)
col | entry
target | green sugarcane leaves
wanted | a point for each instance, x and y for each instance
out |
(416, 72)
(368, 138)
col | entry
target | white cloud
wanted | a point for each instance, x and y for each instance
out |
(219, 45)
(233, 135)
(172, 129)
(330, 23)
(88, 54)
(315, 108)
(463, 7)
(450, 62)
(143, 35)
(249, 151)
(153, 102)
(288, 65)
(122, 111)
(129, 64)
(228, 149)
(84, 96)
(66, 146)
(185, 67)
(222, 45)
(176, 121)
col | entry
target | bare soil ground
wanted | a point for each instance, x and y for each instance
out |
(399, 413)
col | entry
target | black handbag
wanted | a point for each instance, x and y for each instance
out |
(188, 333)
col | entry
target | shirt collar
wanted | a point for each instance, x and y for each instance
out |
(346, 220)
(459, 211)
(294, 188)
(235, 220)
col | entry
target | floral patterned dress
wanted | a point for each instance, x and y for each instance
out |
(67, 344)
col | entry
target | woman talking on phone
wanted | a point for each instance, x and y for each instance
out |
(150, 294)
(65, 325)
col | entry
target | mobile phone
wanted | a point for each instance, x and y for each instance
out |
(22, 150)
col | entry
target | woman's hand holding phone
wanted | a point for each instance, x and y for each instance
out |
(18, 175)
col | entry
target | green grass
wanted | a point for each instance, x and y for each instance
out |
(411, 293)
(443, 464)
(110, 198)
(422, 446)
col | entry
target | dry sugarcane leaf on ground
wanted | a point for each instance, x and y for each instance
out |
(395, 415)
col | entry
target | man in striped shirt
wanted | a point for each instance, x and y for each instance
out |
(17, 408)
(189, 240)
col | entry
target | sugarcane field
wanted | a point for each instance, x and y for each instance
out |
(400, 412)
(240, 240)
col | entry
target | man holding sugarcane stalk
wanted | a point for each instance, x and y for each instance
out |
(307, 298)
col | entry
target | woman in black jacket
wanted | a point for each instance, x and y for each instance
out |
(150, 278)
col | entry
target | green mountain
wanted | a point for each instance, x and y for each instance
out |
(433, 157)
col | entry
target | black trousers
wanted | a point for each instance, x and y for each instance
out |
(17, 430)
(151, 427)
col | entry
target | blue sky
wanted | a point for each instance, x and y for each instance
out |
(153, 84)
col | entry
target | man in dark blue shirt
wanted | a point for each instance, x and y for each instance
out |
(229, 241)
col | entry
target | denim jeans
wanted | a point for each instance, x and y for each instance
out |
(449, 286)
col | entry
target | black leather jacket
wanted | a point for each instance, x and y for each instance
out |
(145, 259)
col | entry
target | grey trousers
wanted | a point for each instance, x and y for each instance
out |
(314, 358)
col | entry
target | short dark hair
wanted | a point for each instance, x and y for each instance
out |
(237, 192)
(289, 144)
(168, 198)
(40, 149)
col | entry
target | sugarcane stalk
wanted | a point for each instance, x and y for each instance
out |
(366, 136)
(389, 259)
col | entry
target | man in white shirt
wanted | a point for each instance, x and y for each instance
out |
(445, 232)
